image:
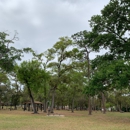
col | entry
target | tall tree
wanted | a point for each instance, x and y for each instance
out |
(31, 75)
(44, 58)
(83, 41)
(112, 28)
(58, 67)
(75, 86)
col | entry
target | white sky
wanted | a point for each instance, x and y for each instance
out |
(40, 23)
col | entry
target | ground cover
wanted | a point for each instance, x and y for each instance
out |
(79, 120)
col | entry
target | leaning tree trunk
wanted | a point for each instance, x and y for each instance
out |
(103, 103)
(32, 100)
(52, 103)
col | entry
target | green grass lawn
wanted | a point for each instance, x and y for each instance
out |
(79, 120)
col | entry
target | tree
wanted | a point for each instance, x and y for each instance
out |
(112, 30)
(83, 41)
(109, 76)
(16, 86)
(8, 54)
(44, 58)
(58, 67)
(75, 86)
(31, 75)
(4, 87)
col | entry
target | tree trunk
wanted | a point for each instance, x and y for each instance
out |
(119, 107)
(0, 103)
(45, 104)
(126, 108)
(89, 106)
(52, 103)
(28, 107)
(32, 100)
(15, 107)
(45, 99)
(62, 107)
(94, 104)
(89, 98)
(72, 108)
(103, 103)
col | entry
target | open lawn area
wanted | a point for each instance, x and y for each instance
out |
(79, 120)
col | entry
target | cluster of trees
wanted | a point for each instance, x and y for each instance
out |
(65, 75)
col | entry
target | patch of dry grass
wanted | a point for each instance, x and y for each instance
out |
(79, 120)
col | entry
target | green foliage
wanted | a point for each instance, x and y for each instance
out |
(31, 74)
(3, 78)
(110, 29)
(113, 28)
(8, 54)
(109, 76)
(4, 88)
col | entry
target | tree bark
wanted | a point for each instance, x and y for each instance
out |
(119, 107)
(89, 106)
(52, 103)
(45, 99)
(32, 100)
(89, 98)
(103, 103)
(62, 107)
(94, 104)
(72, 108)
(126, 108)
(45, 105)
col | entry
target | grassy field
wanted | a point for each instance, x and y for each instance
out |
(79, 120)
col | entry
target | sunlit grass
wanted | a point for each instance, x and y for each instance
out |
(79, 120)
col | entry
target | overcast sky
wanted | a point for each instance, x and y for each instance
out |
(40, 23)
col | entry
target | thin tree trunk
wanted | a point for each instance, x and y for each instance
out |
(126, 108)
(45, 105)
(52, 103)
(15, 107)
(0, 103)
(103, 103)
(94, 104)
(89, 98)
(62, 107)
(32, 100)
(89, 106)
(119, 107)
(72, 109)
(45, 99)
